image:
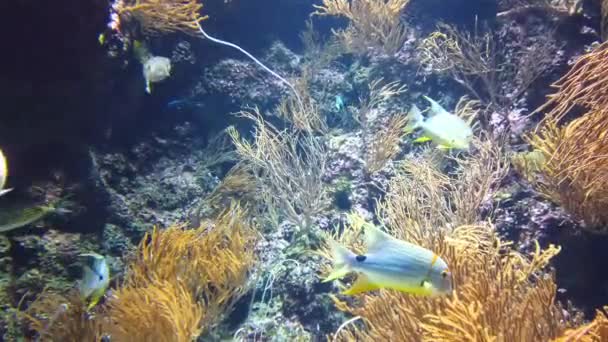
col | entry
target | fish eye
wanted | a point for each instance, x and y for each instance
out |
(444, 274)
(360, 258)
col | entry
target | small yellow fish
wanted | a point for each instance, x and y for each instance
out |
(95, 279)
(101, 39)
(391, 263)
(447, 130)
(3, 174)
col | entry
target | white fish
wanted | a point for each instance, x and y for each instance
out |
(3, 174)
(95, 279)
(156, 69)
(447, 130)
(392, 263)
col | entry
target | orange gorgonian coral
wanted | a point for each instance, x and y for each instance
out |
(585, 85)
(574, 169)
(179, 283)
(161, 16)
(571, 166)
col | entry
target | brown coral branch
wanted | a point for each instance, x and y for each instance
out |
(160, 311)
(574, 173)
(163, 16)
(372, 23)
(586, 85)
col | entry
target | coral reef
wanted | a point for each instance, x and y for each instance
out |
(178, 284)
(159, 16)
(300, 166)
(499, 292)
(571, 166)
(371, 23)
(289, 168)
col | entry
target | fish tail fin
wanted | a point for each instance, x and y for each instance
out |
(342, 260)
(414, 119)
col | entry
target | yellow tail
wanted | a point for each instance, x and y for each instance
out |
(342, 261)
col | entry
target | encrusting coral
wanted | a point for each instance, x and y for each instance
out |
(178, 285)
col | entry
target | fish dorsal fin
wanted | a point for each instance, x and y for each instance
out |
(375, 239)
(92, 255)
(436, 108)
(362, 284)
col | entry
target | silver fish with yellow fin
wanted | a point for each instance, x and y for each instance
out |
(95, 279)
(3, 174)
(447, 130)
(391, 263)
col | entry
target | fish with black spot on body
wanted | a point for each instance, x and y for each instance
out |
(391, 263)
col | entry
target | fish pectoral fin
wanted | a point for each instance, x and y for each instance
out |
(422, 139)
(443, 147)
(361, 285)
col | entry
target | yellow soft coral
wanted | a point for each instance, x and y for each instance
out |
(178, 284)
(500, 294)
(210, 262)
(160, 311)
(585, 85)
(574, 173)
(163, 16)
(372, 23)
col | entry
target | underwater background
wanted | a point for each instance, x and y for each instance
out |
(158, 184)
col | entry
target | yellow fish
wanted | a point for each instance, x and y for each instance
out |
(95, 279)
(447, 130)
(3, 174)
(391, 263)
